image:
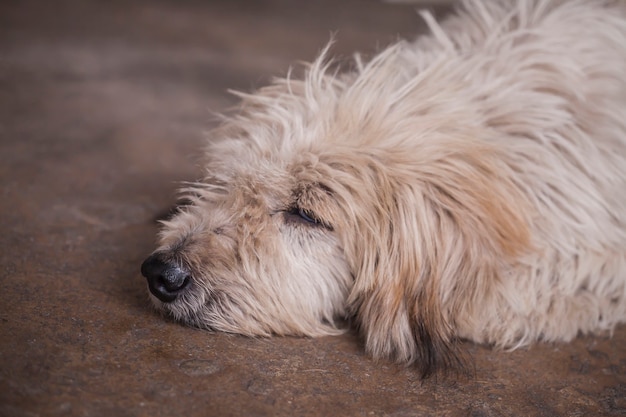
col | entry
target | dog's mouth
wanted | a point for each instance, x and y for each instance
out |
(201, 310)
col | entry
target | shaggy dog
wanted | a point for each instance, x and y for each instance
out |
(468, 185)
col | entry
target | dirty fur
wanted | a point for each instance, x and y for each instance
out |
(467, 185)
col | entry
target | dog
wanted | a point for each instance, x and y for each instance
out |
(469, 185)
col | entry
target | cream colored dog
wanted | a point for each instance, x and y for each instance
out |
(471, 184)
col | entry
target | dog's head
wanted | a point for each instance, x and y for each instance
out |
(255, 254)
(331, 198)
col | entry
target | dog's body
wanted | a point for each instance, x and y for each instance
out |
(470, 185)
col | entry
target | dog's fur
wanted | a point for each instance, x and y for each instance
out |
(471, 184)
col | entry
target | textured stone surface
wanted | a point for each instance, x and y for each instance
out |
(102, 105)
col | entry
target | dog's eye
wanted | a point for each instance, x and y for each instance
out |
(301, 215)
(307, 216)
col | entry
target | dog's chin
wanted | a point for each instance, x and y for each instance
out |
(184, 309)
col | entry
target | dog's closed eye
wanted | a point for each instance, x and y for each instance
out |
(304, 216)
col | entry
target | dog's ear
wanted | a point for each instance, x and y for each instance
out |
(429, 247)
(397, 295)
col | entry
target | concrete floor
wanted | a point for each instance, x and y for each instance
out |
(102, 106)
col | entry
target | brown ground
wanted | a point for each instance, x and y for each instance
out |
(102, 104)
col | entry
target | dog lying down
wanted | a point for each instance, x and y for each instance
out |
(468, 185)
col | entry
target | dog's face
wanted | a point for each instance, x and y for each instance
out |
(254, 253)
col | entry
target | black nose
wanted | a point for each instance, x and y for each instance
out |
(165, 279)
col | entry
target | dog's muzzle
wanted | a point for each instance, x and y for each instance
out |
(166, 280)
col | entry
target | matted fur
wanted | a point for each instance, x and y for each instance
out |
(470, 184)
